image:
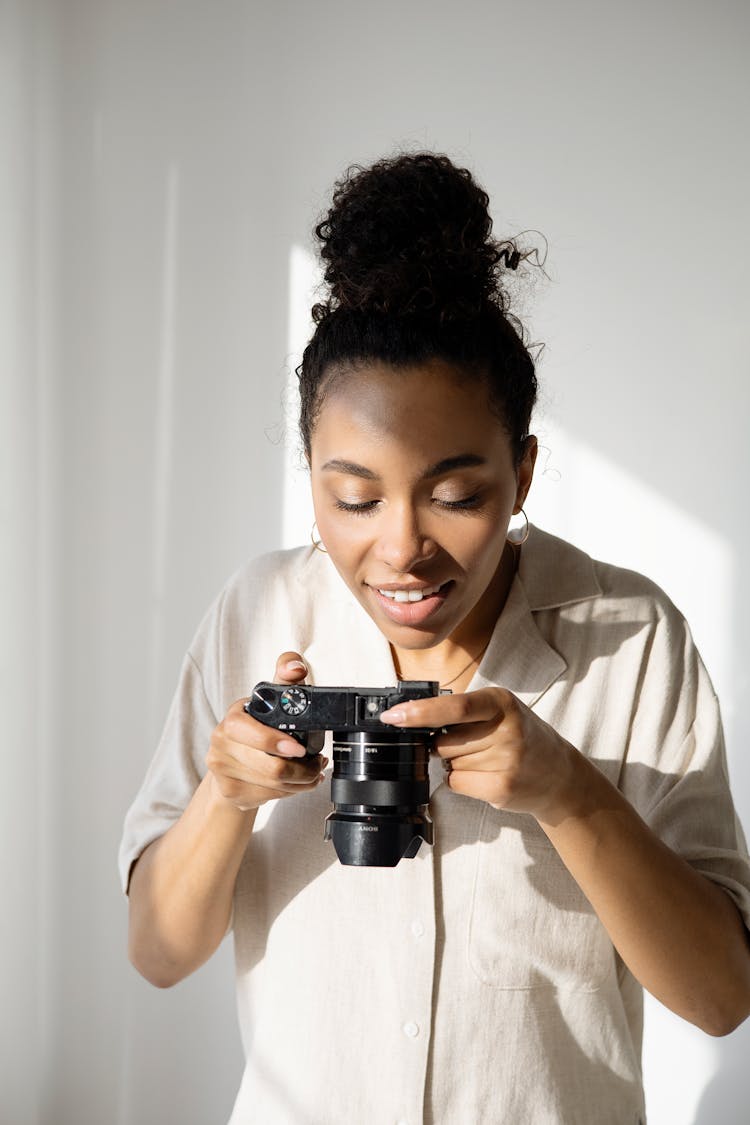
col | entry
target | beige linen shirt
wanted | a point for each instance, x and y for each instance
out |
(473, 984)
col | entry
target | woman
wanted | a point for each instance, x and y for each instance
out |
(585, 840)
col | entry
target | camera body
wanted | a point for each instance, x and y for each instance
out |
(380, 782)
(300, 709)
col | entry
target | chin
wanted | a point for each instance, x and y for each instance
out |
(412, 637)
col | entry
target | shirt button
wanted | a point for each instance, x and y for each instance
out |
(411, 1029)
(417, 929)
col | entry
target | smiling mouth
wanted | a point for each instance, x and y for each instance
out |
(414, 595)
(413, 607)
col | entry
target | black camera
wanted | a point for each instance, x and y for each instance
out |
(380, 784)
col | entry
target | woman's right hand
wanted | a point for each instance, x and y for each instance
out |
(252, 763)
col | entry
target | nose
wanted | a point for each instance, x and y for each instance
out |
(403, 543)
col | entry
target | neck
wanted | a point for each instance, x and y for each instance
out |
(453, 661)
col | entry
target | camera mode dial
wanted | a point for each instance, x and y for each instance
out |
(294, 701)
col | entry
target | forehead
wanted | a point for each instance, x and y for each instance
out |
(427, 408)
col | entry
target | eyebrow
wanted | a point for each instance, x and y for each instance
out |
(447, 465)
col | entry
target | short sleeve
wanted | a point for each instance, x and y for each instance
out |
(263, 609)
(175, 771)
(690, 806)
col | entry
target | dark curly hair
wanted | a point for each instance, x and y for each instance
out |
(413, 275)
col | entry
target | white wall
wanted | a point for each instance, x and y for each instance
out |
(168, 156)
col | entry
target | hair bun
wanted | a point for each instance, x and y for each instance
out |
(411, 234)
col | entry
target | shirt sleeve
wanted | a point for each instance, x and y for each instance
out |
(688, 802)
(256, 615)
(175, 771)
(698, 820)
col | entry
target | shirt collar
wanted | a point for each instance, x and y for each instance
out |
(555, 573)
(551, 574)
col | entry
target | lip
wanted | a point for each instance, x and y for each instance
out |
(411, 613)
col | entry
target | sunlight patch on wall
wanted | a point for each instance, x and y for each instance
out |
(581, 495)
(298, 515)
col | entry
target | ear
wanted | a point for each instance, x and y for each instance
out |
(525, 472)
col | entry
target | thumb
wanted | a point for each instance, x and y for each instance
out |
(290, 669)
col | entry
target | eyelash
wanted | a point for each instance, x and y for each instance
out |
(367, 508)
(359, 509)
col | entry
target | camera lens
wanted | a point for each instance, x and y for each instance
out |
(380, 789)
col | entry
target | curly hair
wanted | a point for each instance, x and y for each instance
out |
(413, 274)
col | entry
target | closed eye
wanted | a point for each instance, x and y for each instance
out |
(463, 504)
(364, 508)
(367, 507)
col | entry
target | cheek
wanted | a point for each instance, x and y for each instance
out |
(346, 539)
(324, 517)
(479, 550)
(482, 550)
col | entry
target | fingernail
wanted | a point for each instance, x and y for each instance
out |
(324, 762)
(288, 748)
(296, 666)
(395, 715)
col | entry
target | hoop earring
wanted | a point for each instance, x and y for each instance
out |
(317, 543)
(514, 537)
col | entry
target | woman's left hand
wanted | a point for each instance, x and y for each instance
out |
(496, 749)
(692, 956)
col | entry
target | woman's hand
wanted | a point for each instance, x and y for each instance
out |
(252, 763)
(181, 887)
(680, 934)
(496, 749)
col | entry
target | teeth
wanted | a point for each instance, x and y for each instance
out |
(408, 595)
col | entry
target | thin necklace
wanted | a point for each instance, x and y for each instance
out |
(458, 675)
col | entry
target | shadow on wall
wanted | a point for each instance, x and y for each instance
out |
(725, 1099)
